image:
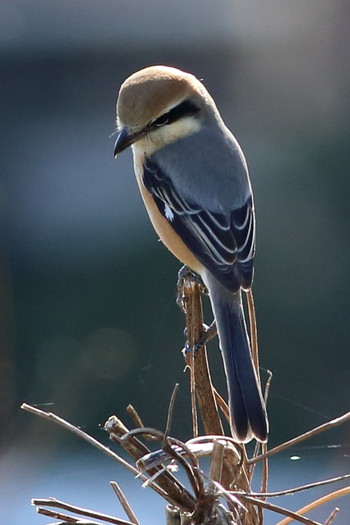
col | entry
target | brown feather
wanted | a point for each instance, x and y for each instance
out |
(150, 92)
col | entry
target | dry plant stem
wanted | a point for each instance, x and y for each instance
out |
(295, 489)
(258, 445)
(153, 478)
(265, 461)
(264, 479)
(173, 491)
(175, 517)
(217, 461)
(169, 446)
(172, 515)
(194, 411)
(68, 520)
(265, 469)
(226, 453)
(80, 433)
(331, 516)
(202, 379)
(253, 331)
(137, 420)
(205, 393)
(170, 410)
(255, 356)
(265, 473)
(226, 468)
(134, 416)
(193, 471)
(188, 304)
(311, 433)
(222, 405)
(317, 503)
(57, 515)
(279, 510)
(52, 502)
(133, 446)
(124, 502)
(229, 468)
(76, 522)
(200, 446)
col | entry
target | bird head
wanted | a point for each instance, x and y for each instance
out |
(158, 105)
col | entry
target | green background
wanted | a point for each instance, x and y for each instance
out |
(88, 320)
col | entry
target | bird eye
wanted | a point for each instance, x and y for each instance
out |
(161, 121)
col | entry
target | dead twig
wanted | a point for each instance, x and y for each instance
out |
(222, 405)
(57, 515)
(280, 510)
(169, 445)
(137, 419)
(307, 435)
(69, 522)
(53, 502)
(231, 472)
(200, 369)
(173, 491)
(255, 355)
(50, 416)
(253, 331)
(134, 416)
(265, 462)
(296, 489)
(318, 502)
(331, 516)
(170, 410)
(208, 399)
(92, 441)
(124, 502)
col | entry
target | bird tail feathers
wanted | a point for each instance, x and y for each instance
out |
(247, 408)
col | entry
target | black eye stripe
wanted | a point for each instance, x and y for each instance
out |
(161, 121)
(185, 109)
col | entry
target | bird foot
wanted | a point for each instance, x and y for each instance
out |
(208, 333)
(184, 272)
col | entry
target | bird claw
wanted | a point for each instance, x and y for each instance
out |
(208, 333)
(185, 271)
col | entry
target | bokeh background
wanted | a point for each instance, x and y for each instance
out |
(88, 321)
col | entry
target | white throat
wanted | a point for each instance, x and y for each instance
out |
(158, 138)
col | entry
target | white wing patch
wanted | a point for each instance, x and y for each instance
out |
(168, 212)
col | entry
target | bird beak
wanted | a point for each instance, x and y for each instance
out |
(125, 139)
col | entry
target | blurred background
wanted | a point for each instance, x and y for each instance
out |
(88, 320)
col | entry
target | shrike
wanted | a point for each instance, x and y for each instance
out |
(194, 182)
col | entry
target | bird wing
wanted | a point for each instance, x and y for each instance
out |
(223, 242)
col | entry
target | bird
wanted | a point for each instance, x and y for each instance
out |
(194, 182)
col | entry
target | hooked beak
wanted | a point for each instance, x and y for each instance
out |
(125, 139)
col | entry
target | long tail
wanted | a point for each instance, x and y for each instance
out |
(247, 408)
